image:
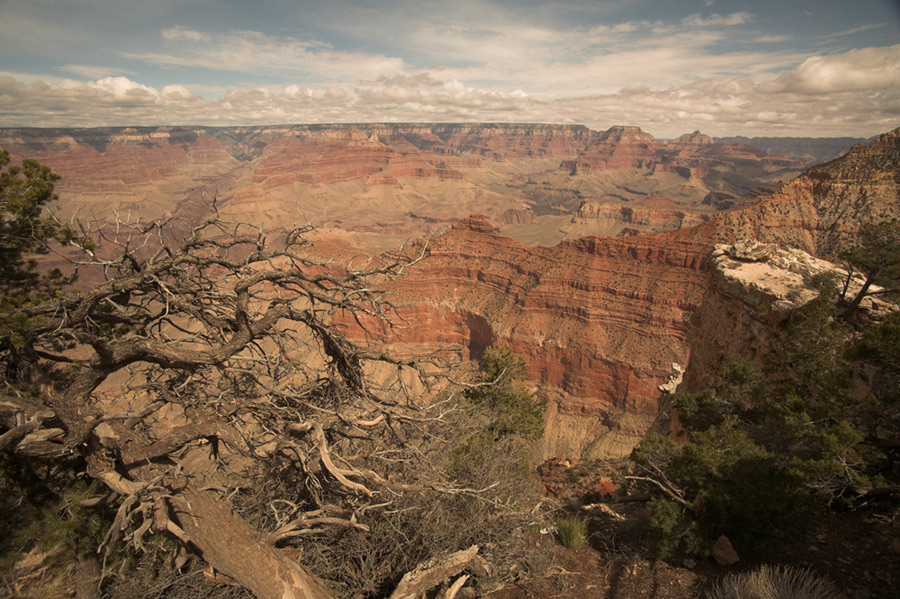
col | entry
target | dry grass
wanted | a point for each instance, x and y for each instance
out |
(572, 531)
(775, 582)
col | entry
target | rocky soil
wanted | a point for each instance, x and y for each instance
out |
(859, 551)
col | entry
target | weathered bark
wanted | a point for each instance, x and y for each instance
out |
(232, 547)
(202, 323)
(432, 573)
(853, 306)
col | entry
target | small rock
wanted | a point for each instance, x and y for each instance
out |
(724, 553)
(689, 563)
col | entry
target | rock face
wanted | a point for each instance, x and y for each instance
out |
(723, 552)
(656, 214)
(821, 211)
(753, 288)
(810, 151)
(389, 182)
(723, 167)
(599, 321)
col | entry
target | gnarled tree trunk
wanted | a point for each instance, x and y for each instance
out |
(235, 549)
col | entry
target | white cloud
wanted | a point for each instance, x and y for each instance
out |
(854, 71)
(860, 29)
(667, 78)
(178, 94)
(178, 33)
(717, 20)
(770, 39)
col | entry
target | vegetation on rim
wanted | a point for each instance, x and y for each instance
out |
(774, 442)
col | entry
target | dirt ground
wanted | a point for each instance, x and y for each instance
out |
(858, 550)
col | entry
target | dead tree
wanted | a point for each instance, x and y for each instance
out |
(187, 361)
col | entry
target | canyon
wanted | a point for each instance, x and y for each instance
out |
(387, 183)
(588, 253)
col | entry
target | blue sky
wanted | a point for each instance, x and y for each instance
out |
(786, 67)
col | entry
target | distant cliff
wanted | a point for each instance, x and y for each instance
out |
(387, 181)
(810, 150)
(600, 320)
(821, 211)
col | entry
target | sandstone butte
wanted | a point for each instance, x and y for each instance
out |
(600, 320)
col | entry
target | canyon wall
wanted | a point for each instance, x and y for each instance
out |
(387, 182)
(821, 211)
(599, 321)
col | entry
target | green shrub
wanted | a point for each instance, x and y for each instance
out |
(572, 531)
(775, 582)
(729, 485)
(513, 409)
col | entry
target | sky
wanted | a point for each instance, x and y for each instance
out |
(813, 68)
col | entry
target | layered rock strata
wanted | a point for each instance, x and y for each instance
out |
(387, 181)
(821, 211)
(599, 321)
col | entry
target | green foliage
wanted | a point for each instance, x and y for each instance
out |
(44, 519)
(877, 254)
(677, 531)
(572, 531)
(66, 524)
(811, 362)
(880, 347)
(741, 384)
(727, 485)
(507, 419)
(24, 191)
(770, 441)
(24, 233)
(774, 582)
(513, 409)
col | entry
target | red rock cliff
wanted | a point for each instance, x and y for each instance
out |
(599, 320)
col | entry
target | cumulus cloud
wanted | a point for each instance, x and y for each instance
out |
(854, 93)
(408, 80)
(856, 70)
(668, 78)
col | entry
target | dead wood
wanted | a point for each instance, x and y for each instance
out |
(212, 325)
(436, 571)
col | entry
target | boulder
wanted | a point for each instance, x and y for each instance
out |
(724, 553)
